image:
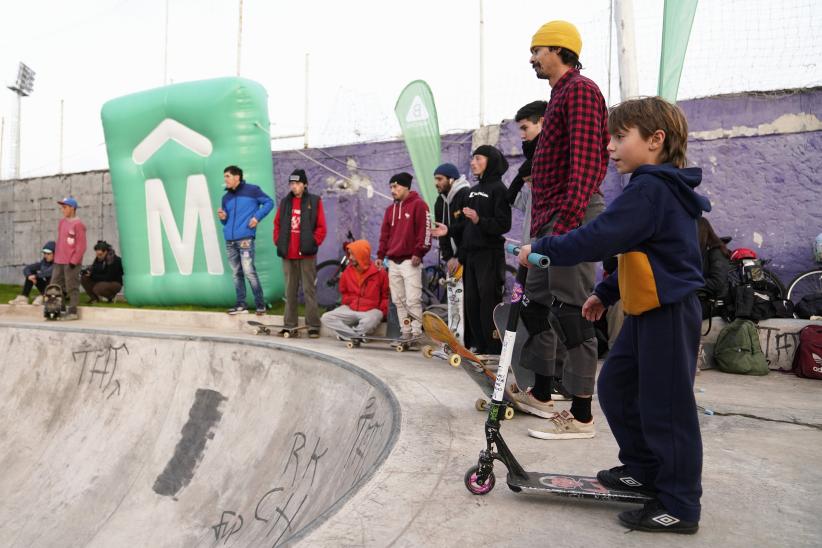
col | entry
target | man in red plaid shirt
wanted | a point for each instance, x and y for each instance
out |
(567, 168)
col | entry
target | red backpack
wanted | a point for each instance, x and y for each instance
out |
(807, 362)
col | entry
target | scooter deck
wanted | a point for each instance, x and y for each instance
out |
(583, 487)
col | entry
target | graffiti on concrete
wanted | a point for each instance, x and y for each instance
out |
(98, 367)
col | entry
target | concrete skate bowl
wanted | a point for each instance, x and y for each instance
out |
(124, 439)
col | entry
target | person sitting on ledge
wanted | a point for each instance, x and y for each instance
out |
(104, 278)
(364, 291)
(37, 275)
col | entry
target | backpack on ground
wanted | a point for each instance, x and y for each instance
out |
(737, 349)
(809, 305)
(807, 362)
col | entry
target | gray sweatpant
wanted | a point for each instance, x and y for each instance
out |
(68, 277)
(301, 272)
(344, 320)
(544, 353)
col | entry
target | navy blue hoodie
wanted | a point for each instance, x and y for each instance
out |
(652, 226)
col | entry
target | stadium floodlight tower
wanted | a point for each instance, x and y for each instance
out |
(23, 87)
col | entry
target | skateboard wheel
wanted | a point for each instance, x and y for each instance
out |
(406, 321)
(286, 335)
(480, 405)
(350, 344)
(400, 348)
(473, 484)
(509, 413)
(455, 360)
(428, 351)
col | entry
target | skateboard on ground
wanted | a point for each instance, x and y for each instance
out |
(53, 302)
(478, 367)
(355, 341)
(266, 329)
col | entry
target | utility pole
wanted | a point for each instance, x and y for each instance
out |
(2, 135)
(23, 87)
(240, 38)
(305, 109)
(626, 48)
(61, 136)
(481, 66)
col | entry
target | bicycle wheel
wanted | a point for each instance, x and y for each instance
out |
(431, 276)
(806, 283)
(328, 284)
(773, 284)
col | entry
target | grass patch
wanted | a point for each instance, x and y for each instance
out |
(8, 292)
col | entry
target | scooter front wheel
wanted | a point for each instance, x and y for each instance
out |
(473, 485)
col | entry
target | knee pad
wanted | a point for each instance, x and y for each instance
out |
(575, 329)
(535, 317)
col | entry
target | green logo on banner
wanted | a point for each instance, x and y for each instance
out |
(417, 116)
(167, 149)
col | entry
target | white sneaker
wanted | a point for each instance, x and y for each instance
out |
(38, 301)
(526, 402)
(563, 426)
(19, 299)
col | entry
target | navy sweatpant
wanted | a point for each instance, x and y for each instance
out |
(646, 393)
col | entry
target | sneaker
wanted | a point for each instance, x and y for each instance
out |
(620, 479)
(237, 310)
(654, 518)
(525, 401)
(313, 333)
(564, 426)
(19, 299)
(38, 301)
(558, 392)
(69, 316)
(260, 312)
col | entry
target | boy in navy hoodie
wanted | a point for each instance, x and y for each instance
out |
(646, 385)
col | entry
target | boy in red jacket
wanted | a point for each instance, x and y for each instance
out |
(364, 291)
(68, 256)
(405, 238)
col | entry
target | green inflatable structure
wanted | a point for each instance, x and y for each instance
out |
(167, 149)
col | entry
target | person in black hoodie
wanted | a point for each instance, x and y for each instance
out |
(37, 275)
(453, 191)
(715, 267)
(104, 278)
(488, 218)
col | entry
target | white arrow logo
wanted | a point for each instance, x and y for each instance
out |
(417, 111)
(171, 130)
(197, 209)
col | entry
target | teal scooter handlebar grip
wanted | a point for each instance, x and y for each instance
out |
(540, 261)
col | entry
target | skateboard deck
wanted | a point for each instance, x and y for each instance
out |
(456, 309)
(478, 367)
(266, 329)
(399, 345)
(53, 302)
(584, 487)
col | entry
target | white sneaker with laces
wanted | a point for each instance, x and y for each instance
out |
(19, 299)
(38, 301)
(563, 426)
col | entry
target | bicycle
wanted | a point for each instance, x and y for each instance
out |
(809, 282)
(328, 277)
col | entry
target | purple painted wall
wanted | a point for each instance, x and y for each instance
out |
(766, 185)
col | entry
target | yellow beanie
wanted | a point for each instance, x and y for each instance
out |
(558, 33)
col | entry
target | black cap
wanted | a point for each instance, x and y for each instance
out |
(298, 175)
(403, 179)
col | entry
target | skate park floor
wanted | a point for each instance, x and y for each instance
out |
(218, 437)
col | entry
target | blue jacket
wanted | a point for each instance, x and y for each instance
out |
(652, 226)
(240, 205)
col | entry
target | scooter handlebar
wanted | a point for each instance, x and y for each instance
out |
(540, 261)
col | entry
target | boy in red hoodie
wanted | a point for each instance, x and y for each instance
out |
(405, 238)
(364, 291)
(68, 256)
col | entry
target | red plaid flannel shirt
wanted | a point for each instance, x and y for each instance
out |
(571, 157)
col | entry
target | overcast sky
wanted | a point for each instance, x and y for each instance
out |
(362, 53)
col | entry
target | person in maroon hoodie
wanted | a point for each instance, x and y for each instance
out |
(68, 256)
(405, 238)
(364, 292)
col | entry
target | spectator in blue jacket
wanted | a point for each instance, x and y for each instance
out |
(37, 275)
(244, 206)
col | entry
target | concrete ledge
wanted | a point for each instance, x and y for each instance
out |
(779, 338)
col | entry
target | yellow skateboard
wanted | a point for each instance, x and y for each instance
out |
(453, 352)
